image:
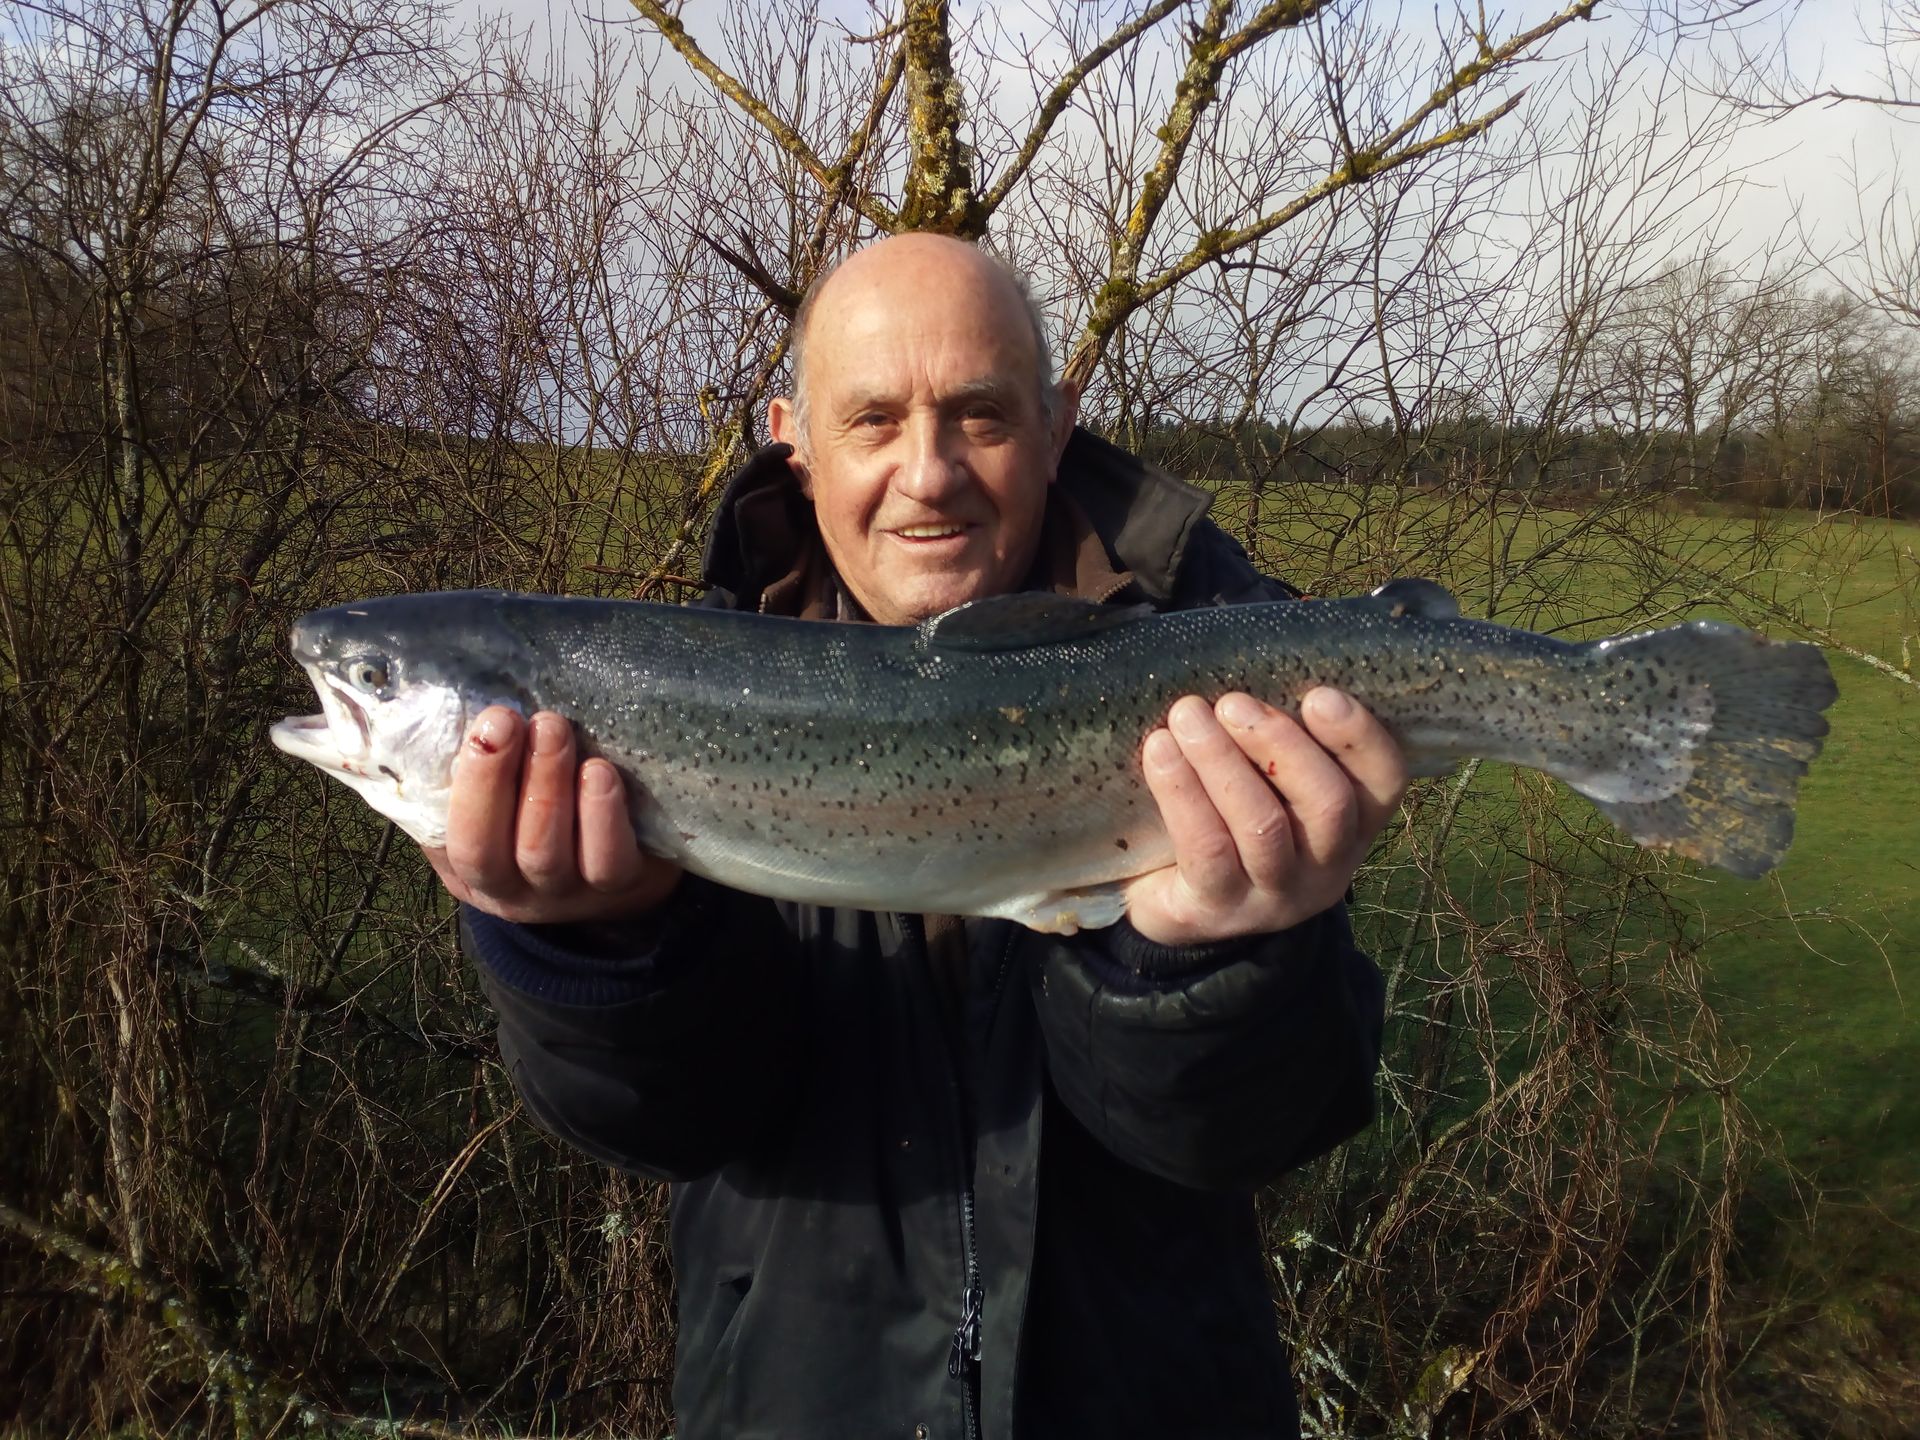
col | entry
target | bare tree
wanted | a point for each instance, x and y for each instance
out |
(1368, 106)
(202, 230)
(1881, 262)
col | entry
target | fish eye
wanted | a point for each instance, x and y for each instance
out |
(369, 673)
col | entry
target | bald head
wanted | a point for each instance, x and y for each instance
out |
(911, 269)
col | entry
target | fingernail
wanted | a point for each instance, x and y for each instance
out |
(489, 734)
(1189, 719)
(600, 779)
(1329, 705)
(549, 734)
(1163, 751)
(1242, 712)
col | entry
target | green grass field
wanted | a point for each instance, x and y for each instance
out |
(1817, 973)
(1813, 970)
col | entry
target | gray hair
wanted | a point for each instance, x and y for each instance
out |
(802, 319)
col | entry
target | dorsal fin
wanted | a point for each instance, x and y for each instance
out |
(1424, 598)
(1018, 622)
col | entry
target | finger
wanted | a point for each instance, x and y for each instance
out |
(483, 801)
(1226, 747)
(544, 837)
(610, 858)
(1361, 746)
(1318, 795)
(1203, 848)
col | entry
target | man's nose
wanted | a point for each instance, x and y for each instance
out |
(932, 469)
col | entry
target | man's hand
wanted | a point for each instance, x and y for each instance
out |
(536, 837)
(1269, 816)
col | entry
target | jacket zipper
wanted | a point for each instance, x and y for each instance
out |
(963, 1353)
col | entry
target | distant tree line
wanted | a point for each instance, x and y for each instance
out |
(1754, 394)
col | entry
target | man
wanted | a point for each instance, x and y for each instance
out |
(936, 1178)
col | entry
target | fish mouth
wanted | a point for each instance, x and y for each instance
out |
(317, 738)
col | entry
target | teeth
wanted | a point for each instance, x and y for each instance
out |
(930, 532)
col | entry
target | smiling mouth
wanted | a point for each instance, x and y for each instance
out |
(930, 532)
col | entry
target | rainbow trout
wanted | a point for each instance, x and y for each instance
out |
(987, 761)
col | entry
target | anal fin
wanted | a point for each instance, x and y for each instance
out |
(1066, 912)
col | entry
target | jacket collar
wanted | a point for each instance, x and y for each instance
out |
(764, 537)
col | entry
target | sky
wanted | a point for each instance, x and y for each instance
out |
(1814, 170)
(1806, 176)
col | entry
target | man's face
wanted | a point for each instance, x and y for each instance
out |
(928, 457)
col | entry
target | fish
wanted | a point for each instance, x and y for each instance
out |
(987, 761)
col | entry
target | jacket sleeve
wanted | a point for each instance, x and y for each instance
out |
(1218, 1067)
(661, 1048)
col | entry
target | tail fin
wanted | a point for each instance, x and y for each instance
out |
(1760, 700)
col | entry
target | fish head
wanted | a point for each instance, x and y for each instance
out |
(398, 687)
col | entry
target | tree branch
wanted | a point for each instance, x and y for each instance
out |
(1125, 293)
(1193, 95)
(938, 194)
(233, 1371)
(1366, 166)
(1055, 105)
(784, 298)
(784, 135)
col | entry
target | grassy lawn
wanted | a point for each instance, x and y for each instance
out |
(1815, 965)
(1815, 969)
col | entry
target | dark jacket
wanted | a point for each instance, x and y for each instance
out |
(1019, 1202)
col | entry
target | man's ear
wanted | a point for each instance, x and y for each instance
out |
(781, 425)
(1066, 414)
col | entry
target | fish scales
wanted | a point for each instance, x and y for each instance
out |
(988, 761)
(802, 764)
